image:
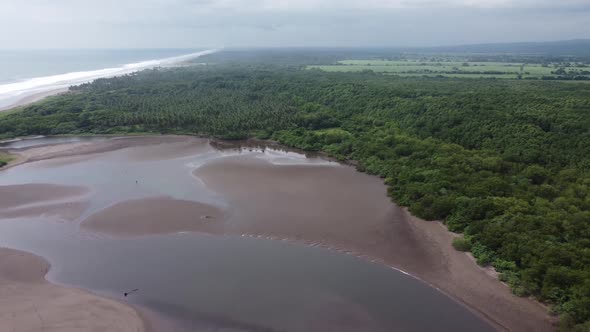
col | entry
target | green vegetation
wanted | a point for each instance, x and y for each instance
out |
(505, 162)
(462, 244)
(465, 68)
(5, 158)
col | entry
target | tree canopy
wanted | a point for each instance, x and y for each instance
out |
(505, 162)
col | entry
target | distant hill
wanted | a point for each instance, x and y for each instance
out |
(576, 47)
(303, 56)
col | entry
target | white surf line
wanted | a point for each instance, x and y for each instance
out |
(13, 93)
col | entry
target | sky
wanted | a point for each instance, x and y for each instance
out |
(286, 23)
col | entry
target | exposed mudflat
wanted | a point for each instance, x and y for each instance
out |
(349, 210)
(29, 303)
(19, 195)
(124, 189)
(158, 215)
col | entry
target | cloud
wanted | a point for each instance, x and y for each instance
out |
(380, 4)
(193, 23)
(299, 5)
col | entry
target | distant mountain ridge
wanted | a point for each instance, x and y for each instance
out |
(574, 47)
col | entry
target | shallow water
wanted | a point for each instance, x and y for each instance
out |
(41, 141)
(205, 281)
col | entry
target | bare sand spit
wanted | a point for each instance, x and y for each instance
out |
(158, 215)
(29, 303)
(160, 147)
(316, 204)
(18, 195)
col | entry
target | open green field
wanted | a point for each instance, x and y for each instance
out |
(5, 158)
(463, 69)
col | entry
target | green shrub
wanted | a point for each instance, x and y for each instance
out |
(462, 244)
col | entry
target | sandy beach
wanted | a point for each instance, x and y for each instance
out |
(33, 98)
(29, 303)
(336, 207)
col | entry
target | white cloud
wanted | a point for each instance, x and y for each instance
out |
(288, 5)
(186, 23)
(382, 4)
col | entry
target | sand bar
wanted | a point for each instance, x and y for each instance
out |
(158, 215)
(161, 146)
(29, 303)
(14, 196)
(335, 206)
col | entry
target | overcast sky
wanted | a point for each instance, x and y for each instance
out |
(239, 23)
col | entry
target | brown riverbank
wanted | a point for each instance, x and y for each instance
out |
(334, 206)
(29, 303)
(159, 146)
(315, 205)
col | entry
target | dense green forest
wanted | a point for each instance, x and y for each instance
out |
(505, 162)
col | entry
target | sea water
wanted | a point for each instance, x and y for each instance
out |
(26, 73)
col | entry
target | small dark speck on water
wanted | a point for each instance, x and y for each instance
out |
(128, 293)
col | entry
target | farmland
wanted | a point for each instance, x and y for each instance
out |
(458, 68)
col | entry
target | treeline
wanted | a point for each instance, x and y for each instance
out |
(507, 163)
(180, 101)
(566, 78)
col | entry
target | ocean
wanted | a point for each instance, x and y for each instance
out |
(28, 73)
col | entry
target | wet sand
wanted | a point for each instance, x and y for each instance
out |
(333, 206)
(79, 151)
(52, 151)
(29, 303)
(158, 215)
(314, 205)
(67, 211)
(20, 195)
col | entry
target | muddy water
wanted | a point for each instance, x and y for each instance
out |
(41, 140)
(221, 280)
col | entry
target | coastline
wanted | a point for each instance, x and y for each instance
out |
(420, 248)
(31, 99)
(60, 83)
(29, 302)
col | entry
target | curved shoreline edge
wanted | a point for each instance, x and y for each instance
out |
(375, 260)
(30, 302)
(60, 83)
(464, 276)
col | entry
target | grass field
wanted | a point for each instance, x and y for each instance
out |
(421, 67)
(5, 158)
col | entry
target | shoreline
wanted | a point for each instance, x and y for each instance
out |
(31, 302)
(63, 82)
(31, 99)
(450, 271)
(376, 260)
(425, 249)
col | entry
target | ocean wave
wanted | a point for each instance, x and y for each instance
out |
(12, 93)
